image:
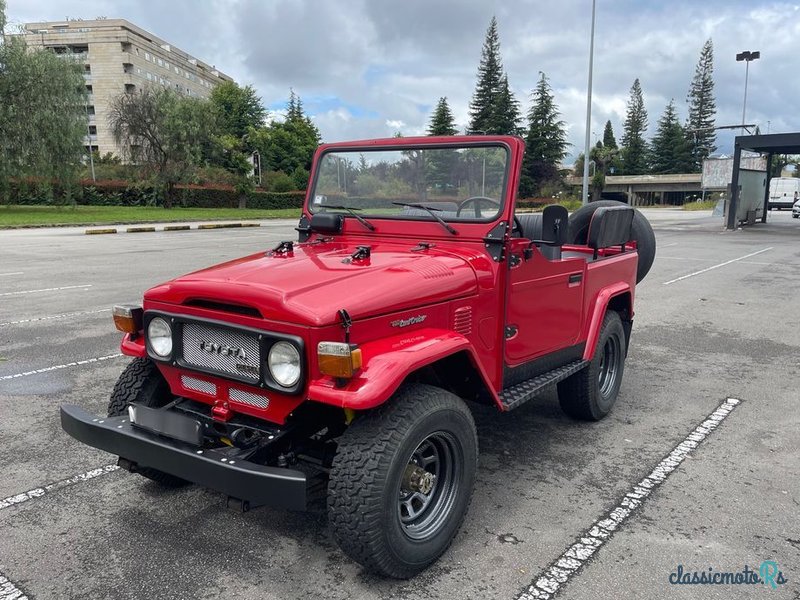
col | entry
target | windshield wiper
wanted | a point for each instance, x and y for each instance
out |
(431, 211)
(352, 210)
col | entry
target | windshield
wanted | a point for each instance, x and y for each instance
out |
(456, 184)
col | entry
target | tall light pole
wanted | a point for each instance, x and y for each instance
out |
(585, 194)
(748, 56)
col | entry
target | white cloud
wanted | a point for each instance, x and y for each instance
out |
(388, 62)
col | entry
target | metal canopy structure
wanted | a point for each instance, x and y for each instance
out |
(776, 143)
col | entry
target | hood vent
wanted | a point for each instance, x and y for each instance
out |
(462, 320)
(236, 309)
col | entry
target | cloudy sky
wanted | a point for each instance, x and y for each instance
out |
(369, 68)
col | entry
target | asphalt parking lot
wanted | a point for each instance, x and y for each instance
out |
(715, 320)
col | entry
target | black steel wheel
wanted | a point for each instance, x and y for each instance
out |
(402, 481)
(141, 383)
(591, 393)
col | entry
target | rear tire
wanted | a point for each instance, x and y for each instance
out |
(141, 383)
(590, 394)
(641, 231)
(377, 515)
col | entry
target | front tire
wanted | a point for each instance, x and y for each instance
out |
(590, 394)
(141, 383)
(402, 481)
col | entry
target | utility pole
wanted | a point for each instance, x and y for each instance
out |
(585, 194)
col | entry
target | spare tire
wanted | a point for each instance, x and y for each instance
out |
(641, 231)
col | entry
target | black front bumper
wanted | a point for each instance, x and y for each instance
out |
(249, 482)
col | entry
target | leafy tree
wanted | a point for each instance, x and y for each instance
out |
(634, 147)
(609, 141)
(702, 109)
(604, 158)
(2, 19)
(442, 121)
(493, 108)
(238, 108)
(669, 151)
(288, 145)
(546, 140)
(164, 132)
(43, 118)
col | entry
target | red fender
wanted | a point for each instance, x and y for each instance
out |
(133, 348)
(386, 364)
(598, 314)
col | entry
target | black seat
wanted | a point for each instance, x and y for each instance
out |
(549, 230)
(610, 226)
(531, 225)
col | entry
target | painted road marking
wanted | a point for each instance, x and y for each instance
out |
(566, 566)
(50, 317)
(54, 289)
(8, 591)
(14, 273)
(58, 367)
(727, 262)
(52, 487)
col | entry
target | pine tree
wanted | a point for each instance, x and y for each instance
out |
(442, 121)
(609, 141)
(545, 142)
(506, 118)
(702, 109)
(670, 152)
(634, 147)
(493, 108)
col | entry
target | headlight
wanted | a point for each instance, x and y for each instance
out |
(159, 336)
(284, 364)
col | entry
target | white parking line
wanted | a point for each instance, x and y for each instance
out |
(8, 591)
(58, 367)
(50, 317)
(41, 491)
(14, 273)
(566, 566)
(727, 262)
(53, 289)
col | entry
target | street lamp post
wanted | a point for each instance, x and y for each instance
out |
(748, 56)
(585, 194)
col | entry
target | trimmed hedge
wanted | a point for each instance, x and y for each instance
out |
(122, 193)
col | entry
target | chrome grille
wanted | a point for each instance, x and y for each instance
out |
(256, 400)
(218, 349)
(198, 385)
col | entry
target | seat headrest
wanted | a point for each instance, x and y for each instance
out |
(610, 226)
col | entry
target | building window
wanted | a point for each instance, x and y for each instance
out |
(89, 88)
(92, 129)
(87, 68)
(90, 110)
(126, 46)
(130, 88)
(147, 56)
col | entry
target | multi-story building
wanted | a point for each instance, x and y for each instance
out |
(117, 57)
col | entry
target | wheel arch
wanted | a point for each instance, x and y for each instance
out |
(438, 357)
(618, 298)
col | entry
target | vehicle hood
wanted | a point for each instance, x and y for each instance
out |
(313, 282)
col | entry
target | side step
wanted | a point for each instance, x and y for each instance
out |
(522, 392)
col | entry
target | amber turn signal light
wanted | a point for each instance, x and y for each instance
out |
(338, 359)
(127, 318)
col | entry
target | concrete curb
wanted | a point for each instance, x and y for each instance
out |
(153, 228)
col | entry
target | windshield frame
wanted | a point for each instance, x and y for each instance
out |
(392, 145)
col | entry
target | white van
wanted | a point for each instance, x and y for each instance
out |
(782, 191)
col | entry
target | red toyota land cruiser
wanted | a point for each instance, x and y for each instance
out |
(346, 361)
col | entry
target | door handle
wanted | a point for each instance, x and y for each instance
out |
(575, 277)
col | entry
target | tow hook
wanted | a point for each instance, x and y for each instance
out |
(417, 479)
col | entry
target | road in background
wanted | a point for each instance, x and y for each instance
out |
(726, 332)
